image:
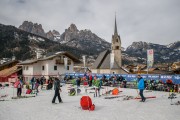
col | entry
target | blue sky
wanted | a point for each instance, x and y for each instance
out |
(155, 21)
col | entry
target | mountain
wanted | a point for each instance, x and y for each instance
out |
(162, 53)
(83, 39)
(37, 29)
(33, 28)
(53, 35)
(24, 44)
(175, 45)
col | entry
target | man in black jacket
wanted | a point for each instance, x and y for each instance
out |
(57, 91)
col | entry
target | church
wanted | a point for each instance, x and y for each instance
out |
(110, 61)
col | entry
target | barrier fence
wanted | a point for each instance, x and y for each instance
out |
(133, 77)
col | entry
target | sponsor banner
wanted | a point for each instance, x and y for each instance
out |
(176, 79)
(166, 77)
(133, 77)
(153, 77)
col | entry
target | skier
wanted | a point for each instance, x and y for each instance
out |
(141, 88)
(57, 90)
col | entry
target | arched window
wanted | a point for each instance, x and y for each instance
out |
(117, 40)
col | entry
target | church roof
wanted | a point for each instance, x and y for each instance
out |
(106, 63)
(100, 59)
(103, 62)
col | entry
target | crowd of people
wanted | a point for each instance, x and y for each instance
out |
(92, 80)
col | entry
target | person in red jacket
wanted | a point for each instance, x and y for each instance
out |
(90, 80)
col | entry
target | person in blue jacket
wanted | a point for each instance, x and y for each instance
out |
(141, 87)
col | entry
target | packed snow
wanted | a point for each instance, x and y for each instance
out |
(41, 108)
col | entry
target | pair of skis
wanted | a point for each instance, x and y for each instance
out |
(131, 97)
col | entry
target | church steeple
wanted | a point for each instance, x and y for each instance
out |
(116, 46)
(115, 27)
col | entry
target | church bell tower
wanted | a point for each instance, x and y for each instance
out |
(116, 46)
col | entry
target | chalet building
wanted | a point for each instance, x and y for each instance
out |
(9, 71)
(52, 65)
(110, 61)
(176, 67)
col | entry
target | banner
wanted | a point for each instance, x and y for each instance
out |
(65, 63)
(150, 58)
(111, 60)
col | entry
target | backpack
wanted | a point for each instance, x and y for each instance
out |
(115, 91)
(145, 85)
(72, 92)
(85, 102)
(16, 84)
(28, 91)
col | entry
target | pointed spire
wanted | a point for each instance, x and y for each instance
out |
(115, 27)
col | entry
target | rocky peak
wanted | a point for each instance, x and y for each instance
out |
(53, 35)
(175, 45)
(140, 44)
(34, 28)
(26, 26)
(83, 39)
(50, 35)
(73, 28)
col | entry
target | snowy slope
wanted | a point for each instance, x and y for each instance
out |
(41, 108)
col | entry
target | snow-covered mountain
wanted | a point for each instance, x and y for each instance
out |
(162, 53)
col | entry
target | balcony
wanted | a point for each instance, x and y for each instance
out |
(60, 61)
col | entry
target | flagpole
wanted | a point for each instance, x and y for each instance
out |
(84, 61)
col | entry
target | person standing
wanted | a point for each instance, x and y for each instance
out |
(90, 80)
(57, 91)
(141, 87)
(19, 88)
(78, 81)
(32, 83)
(42, 82)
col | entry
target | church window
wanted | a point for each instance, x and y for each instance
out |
(116, 40)
(117, 47)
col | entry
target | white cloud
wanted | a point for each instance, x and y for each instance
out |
(155, 21)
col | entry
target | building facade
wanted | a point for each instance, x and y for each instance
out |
(51, 66)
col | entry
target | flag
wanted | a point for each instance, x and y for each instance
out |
(150, 58)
